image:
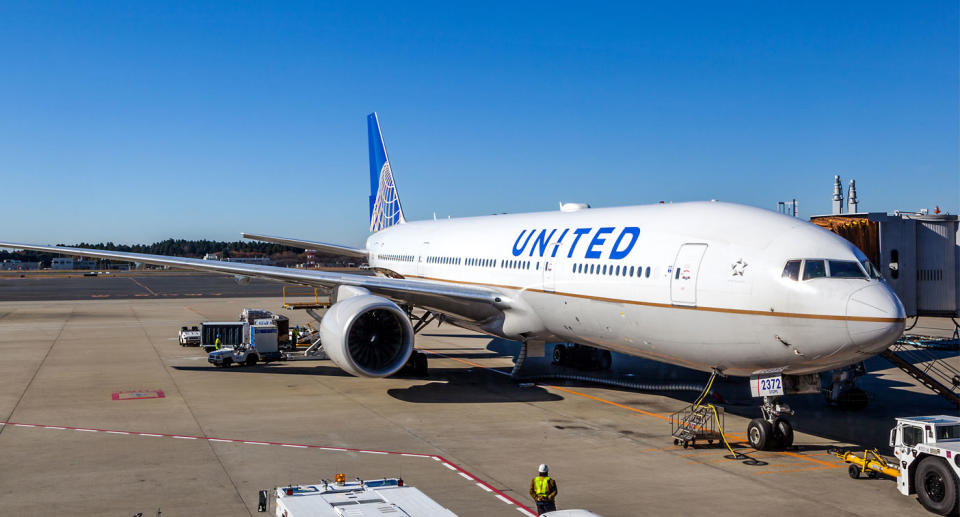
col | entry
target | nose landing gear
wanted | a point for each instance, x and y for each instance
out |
(773, 431)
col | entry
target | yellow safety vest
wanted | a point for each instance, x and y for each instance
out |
(541, 485)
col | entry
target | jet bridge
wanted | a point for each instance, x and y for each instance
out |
(917, 253)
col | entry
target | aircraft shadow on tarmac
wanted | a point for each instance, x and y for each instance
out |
(464, 389)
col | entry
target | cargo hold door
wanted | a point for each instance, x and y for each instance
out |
(683, 278)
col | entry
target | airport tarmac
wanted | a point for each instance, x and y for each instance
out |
(82, 437)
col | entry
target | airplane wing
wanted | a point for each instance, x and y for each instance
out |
(333, 249)
(469, 302)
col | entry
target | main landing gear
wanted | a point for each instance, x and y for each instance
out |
(773, 431)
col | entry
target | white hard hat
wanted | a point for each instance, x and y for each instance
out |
(543, 468)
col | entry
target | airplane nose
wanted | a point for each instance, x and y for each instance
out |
(875, 318)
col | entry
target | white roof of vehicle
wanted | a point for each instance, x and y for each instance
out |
(932, 419)
(356, 500)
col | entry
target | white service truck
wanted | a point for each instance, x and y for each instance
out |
(189, 337)
(259, 343)
(928, 451)
(388, 496)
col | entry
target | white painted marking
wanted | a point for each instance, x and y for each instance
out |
(464, 476)
(331, 449)
(185, 437)
(116, 432)
(373, 452)
(485, 487)
(218, 440)
(414, 455)
(148, 434)
(504, 499)
(88, 430)
(525, 512)
(297, 446)
(57, 428)
(257, 443)
(449, 466)
(436, 457)
(24, 425)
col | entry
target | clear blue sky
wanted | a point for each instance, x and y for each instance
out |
(138, 121)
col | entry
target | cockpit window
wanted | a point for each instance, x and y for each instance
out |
(814, 269)
(845, 269)
(871, 270)
(792, 270)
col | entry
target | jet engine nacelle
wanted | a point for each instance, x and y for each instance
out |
(242, 280)
(367, 336)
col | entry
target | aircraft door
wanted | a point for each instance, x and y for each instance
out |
(422, 254)
(551, 263)
(683, 278)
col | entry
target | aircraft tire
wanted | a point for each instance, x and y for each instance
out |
(760, 434)
(783, 431)
(559, 354)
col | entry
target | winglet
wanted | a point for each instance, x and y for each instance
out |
(385, 209)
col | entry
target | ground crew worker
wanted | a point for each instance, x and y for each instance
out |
(217, 342)
(543, 490)
(296, 336)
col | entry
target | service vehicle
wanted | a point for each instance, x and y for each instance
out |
(259, 344)
(388, 496)
(927, 449)
(189, 337)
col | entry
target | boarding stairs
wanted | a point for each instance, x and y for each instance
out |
(930, 369)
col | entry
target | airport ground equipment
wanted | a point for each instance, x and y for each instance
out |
(923, 360)
(189, 337)
(927, 449)
(261, 346)
(296, 298)
(871, 464)
(340, 498)
(230, 332)
(263, 316)
(697, 423)
(916, 253)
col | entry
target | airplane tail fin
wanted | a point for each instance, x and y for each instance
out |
(385, 209)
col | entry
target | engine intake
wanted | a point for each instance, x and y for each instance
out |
(367, 336)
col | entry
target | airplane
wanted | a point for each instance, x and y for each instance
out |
(713, 286)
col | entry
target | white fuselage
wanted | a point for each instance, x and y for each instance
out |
(712, 292)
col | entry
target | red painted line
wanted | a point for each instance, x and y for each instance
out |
(450, 465)
(484, 483)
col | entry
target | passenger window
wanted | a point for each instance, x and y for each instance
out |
(912, 435)
(591, 269)
(814, 269)
(631, 270)
(618, 270)
(604, 269)
(845, 269)
(648, 272)
(791, 270)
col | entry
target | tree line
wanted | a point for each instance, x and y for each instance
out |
(284, 255)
